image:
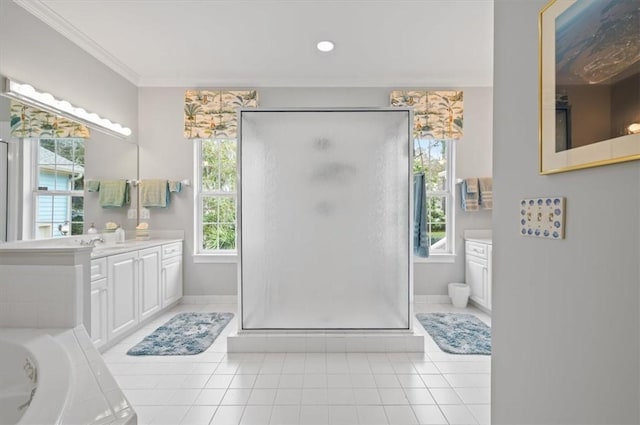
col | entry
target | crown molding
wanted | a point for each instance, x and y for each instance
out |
(47, 15)
(307, 82)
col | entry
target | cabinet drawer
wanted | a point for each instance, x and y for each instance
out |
(476, 249)
(98, 268)
(99, 284)
(172, 250)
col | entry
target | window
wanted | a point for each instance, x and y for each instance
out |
(435, 159)
(58, 189)
(216, 196)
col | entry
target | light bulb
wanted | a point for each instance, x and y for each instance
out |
(634, 128)
(26, 90)
(47, 99)
(81, 113)
(325, 46)
(65, 106)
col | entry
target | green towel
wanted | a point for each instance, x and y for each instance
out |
(93, 185)
(175, 186)
(154, 193)
(114, 193)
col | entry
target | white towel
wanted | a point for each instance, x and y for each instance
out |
(469, 194)
(471, 185)
(486, 192)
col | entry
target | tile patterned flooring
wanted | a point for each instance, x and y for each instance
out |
(216, 388)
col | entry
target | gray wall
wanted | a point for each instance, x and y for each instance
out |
(33, 53)
(164, 153)
(566, 317)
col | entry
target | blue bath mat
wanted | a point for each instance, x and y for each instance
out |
(184, 334)
(457, 333)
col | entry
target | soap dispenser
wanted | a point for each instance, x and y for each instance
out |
(119, 235)
(92, 230)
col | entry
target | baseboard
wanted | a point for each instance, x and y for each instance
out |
(233, 299)
(210, 299)
(431, 299)
(480, 307)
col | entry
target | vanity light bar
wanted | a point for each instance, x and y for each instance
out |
(45, 101)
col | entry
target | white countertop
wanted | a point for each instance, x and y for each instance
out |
(103, 250)
(480, 236)
(487, 241)
(74, 244)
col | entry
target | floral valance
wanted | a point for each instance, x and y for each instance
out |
(212, 114)
(27, 121)
(436, 114)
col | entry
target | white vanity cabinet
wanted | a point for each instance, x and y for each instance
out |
(478, 271)
(130, 287)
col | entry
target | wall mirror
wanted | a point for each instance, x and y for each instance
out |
(42, 192)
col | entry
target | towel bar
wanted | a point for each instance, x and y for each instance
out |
(185, 182)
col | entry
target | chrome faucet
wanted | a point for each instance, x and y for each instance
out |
(91, 242)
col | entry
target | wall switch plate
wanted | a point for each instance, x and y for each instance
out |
(132, 214)
(542, 217)
(145, 213)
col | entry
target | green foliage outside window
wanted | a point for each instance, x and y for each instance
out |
(430, 158)
(218, 194)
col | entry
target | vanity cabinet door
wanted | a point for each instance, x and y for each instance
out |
(123, 308)
(149, 275)
(171, 280)
(477, 273)
(99, 312)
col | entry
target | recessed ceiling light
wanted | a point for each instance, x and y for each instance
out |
(325, 46)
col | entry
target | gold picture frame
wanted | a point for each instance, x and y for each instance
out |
(589, 71)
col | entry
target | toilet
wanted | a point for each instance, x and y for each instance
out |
(459, 294)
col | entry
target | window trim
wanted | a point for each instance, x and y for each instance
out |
(200, 255)
(449, 255)
(31, 191)
(232, 256)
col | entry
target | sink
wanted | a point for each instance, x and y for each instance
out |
(107, 249)
(103, 249)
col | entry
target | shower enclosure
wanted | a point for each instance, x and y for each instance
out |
(324, 219)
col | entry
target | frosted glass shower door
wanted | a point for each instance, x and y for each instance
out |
(324, 200)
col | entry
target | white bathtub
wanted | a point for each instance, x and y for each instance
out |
(32, 361)
(72, 384)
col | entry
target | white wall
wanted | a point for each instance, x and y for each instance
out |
(33, 53)
(164, 153)
(566, 316)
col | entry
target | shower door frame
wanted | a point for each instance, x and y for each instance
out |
(410, 147)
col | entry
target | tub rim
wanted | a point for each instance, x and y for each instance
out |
(54, 373)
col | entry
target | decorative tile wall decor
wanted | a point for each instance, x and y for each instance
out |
(542, 217)
(213, 114)
(436, 114)
(27, 121)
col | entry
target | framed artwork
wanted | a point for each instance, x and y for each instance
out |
(589, 69)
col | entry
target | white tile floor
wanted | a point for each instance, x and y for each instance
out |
(304, 388)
